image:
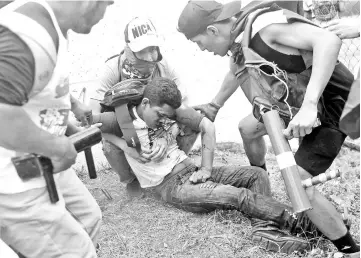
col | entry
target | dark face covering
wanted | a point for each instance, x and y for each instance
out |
(135, 68)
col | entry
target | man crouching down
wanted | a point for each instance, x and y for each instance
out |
(181, 183)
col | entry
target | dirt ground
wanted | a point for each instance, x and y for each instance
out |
(148, 227)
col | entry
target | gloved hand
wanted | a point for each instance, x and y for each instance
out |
(210, 110)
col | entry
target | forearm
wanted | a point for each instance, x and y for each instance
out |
(324, 61)
(228, 87)
(23, 135)
(208, 139)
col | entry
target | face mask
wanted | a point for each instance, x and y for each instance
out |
(137, 68)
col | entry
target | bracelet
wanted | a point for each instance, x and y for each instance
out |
(215, 104)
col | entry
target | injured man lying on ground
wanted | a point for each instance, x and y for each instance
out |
(160, 115)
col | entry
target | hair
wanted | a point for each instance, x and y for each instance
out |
(162, 91)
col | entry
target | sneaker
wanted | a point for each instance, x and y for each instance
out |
(276, 240)
(304, 227)
(134, 190)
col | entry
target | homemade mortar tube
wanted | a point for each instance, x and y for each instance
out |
(286, 162)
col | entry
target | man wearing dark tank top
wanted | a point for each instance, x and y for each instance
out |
(281, 37)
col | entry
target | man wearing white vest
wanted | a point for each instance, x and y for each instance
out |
(34, 108)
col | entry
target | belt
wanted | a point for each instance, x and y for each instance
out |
(186, 166)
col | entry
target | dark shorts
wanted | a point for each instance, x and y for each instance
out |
(319, 148)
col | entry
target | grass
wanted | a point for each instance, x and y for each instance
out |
(148, 227)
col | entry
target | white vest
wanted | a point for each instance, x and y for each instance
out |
(49, 102)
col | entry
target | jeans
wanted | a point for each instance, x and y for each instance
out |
(246, 189)
(35, 227)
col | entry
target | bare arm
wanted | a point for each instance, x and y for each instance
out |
(208, 134)
(325, 47)
(208, 138)
(228, 87)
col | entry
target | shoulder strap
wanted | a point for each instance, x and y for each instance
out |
(247, 33)
(119, 63)
(125, 122)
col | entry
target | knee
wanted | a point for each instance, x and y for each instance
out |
(109, 148)
(245, 129)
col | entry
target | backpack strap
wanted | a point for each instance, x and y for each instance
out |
(119, 62)
(125, 122)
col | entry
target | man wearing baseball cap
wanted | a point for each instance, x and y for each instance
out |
(300, 49)
(141, 58)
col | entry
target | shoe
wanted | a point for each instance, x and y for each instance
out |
(276, 240)
(302, 226)
(134, 190)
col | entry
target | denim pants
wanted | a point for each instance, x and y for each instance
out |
(246, 189)
(35, 227)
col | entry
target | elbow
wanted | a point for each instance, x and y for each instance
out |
(207, 126)
(333, 40)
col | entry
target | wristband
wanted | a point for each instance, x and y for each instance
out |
(215, 105)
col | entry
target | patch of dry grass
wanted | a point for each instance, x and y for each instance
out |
(148, 227)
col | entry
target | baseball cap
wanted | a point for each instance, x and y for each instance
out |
(141, 33)
(197, 15)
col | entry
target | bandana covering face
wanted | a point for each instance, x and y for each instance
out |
(134, 68)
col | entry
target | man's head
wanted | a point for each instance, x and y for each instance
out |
(209, 24)
(142, 38)
(79, 16)
(160, 100)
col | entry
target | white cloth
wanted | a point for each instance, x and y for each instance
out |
(48, 107)
(152, 173)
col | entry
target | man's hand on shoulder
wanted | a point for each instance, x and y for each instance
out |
(209, 110)
(347, 28)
